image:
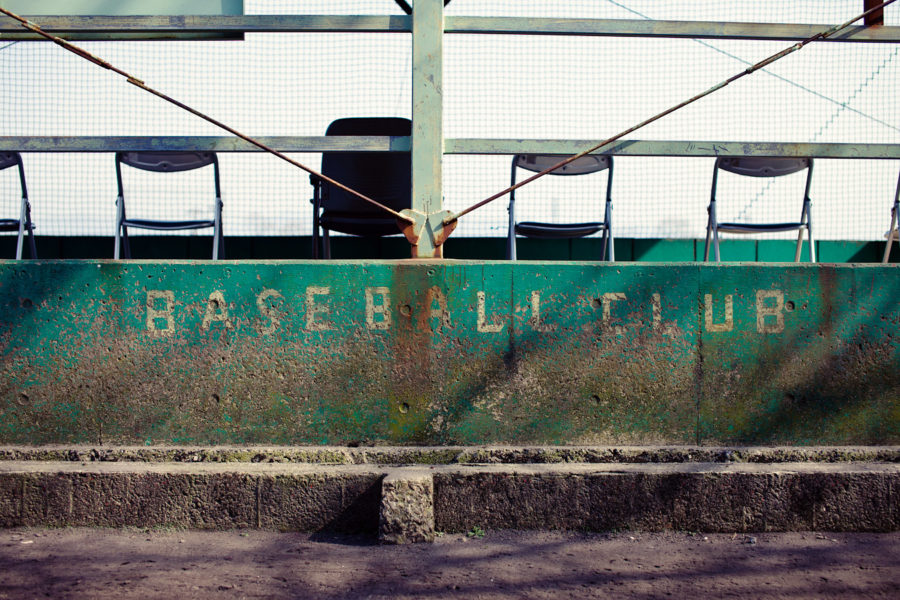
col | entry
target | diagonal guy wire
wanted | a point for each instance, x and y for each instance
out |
(786, 80)
(137, 82)
(763, 63)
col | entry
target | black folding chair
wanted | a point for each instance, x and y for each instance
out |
(753, 166)
(23, 223)
(894, 232)
(382, 176)
(532, 229)
(167, 162)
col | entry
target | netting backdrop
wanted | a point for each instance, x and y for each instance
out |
(495, 86)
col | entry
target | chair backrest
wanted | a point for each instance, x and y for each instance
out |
(167, 162)
(382, 176)
(14, 159)
(897, 193)
(9, 159)
(762, 166)
(579, 166)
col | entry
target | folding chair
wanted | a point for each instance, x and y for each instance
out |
(894, 232)
(531, 229)
(382, 176)
(761, 167)
(23, 223)
(167, 162)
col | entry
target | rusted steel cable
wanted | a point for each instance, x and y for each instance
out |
(139, 83)
(763, 63)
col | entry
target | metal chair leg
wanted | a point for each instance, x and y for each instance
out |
(712, 231)
(20, 239)
(609, 237)
(890, 234)
(217, 231)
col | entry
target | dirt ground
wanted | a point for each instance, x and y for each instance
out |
(93, 563)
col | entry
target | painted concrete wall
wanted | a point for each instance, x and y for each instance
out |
(451, 352)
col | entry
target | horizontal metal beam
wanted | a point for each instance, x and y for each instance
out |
(451, 146)
(103, 25)
(667, 29)
(182, 24)
(671, 148)
(203, 143)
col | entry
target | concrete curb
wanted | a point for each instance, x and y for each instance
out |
(450, 455)
(709, 497)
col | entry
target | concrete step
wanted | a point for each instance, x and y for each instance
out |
(446, 455)
(406, 502)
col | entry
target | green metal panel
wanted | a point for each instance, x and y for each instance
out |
(731, 250)
(841, 251)
(658, 250)
(494, 248)
(426, 352)
(781, 250)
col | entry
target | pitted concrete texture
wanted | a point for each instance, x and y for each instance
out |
(710, 497)
(218, 496)
(407, 507)
(449, 455)
(694, 497)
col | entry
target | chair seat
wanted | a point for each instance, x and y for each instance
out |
(363, 224)
(759, 227)
(557, 230)
(167, 225)
(13, 225)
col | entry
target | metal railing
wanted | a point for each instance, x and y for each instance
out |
(427, 25)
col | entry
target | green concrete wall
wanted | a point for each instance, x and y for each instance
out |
(447, 352)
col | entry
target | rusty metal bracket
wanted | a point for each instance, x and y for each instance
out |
(427, 233)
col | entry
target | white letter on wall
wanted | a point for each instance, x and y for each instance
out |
(608, 299)
(216, 311)
(762, 311)
(382, 309)
(154, 313)
(268, 311)
(483, 325)
(728, 324)
(312, 309)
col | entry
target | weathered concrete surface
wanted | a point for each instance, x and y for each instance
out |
(449, 455)
(598, 497)
(190, 496)
(448, 353)
(696, 497)
(407, 507)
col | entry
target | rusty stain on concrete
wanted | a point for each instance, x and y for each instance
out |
(447, 353)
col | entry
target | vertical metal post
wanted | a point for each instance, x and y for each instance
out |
(427, 117)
